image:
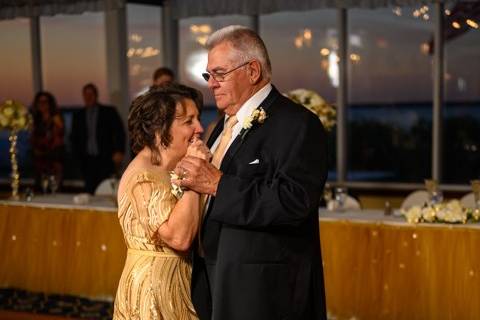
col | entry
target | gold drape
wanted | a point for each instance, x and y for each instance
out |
(372, 270)
(61, 250)
(387, 271)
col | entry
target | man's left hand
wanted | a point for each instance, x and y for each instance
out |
(198, 175)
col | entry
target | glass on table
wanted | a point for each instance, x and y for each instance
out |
(476, 192)
(435, 195)
(340, 198)
(53, 184)
(44, 183)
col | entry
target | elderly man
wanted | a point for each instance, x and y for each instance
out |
(259, 247)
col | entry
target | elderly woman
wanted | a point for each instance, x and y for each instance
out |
(159, 222)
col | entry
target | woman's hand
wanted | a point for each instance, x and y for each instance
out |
(199, 149)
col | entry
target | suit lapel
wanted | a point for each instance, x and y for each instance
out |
(272, 96)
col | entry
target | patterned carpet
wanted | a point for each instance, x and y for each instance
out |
(55, 305)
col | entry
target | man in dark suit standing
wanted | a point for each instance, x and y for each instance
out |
(259, 247)
(98, 139)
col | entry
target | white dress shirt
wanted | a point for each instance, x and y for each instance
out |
(245, 110)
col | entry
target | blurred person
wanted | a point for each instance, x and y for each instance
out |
(259, 254)
(163, 76)
(98, 139)
(159, 224)
(47, 139)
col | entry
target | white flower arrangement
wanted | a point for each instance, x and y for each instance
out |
(14, 116)
(315, 103)
(449, 212)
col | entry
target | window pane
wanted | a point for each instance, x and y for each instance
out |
(73, 54)
(193, 55)
(300, 45)
(461, 154)
(15, 83)
(390, 90)
(144, 43)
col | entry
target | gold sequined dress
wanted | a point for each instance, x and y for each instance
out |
(155, 283)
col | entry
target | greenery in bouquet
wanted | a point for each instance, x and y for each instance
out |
(445, 212)
(315, 103)
(14, 116)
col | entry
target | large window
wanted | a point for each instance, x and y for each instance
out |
(73, 54)
(144, 43)
(390, 94)
(461, 132)
(193, 55)
(15, 82)
(303, 51)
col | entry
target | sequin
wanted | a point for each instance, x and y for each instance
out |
(155, 283)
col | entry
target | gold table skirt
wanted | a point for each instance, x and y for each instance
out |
(372, 270)
(79, 252)
(386, 271)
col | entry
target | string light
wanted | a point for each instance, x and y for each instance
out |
(456, 25)
(472, 23)
(324, 52)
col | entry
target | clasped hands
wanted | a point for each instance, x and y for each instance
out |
(195, 170)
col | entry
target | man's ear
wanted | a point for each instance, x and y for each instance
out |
(255, 72)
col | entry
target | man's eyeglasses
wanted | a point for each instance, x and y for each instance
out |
(219, 77)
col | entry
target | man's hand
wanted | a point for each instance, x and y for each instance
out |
(198, 175)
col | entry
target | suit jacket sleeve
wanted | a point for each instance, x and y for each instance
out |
(289, 194)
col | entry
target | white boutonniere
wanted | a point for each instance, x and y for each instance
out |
(258, 116)
(177, 191)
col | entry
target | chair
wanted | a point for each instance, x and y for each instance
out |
(350, 204)
(468, 200)
(416, 198)
(107, 187)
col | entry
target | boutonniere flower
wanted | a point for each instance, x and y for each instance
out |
(258, 116)
(176, 190)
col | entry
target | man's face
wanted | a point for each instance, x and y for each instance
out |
(235, 88)
(89, 97)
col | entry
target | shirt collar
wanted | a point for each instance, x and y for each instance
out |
(252, 103)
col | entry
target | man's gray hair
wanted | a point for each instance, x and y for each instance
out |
(247, 44)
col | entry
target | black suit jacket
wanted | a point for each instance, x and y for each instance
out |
(261, 232)
(110, 135)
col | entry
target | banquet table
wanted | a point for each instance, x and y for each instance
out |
(376, 266)
(52, 245)
(381, 267)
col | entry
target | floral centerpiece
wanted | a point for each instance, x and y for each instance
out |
(14, 117)
(446, 212)
(313, 102)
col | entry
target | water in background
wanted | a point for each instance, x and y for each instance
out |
(385, 143)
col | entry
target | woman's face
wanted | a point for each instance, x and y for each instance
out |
(185, 127)
(43, 105)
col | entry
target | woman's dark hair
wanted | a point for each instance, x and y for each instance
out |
(153, 113)
(52, 103)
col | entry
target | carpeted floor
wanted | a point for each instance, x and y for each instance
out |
(20, 304)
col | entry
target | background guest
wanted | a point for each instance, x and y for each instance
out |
(163, 76)
(98, 139)
(47, 138)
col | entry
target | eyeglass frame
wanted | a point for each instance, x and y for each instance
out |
(207, 75)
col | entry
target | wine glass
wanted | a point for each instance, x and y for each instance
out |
(53, 184)
(44, 183)
(476, 192)
(340, 197)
